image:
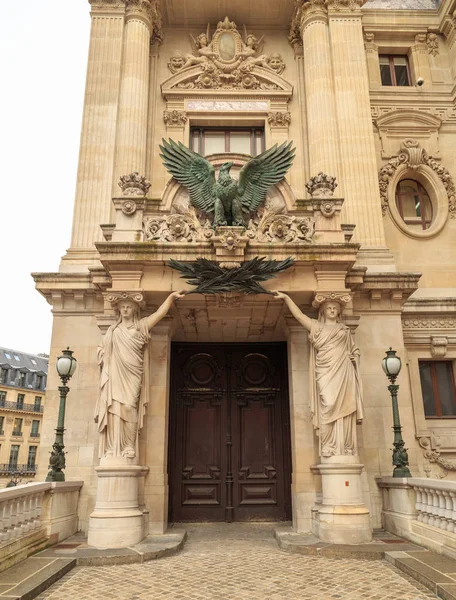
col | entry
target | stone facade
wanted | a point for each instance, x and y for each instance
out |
(311, 75)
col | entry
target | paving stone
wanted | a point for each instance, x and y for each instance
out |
(238, 562)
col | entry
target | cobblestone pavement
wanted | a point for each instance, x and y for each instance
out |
(238, 562)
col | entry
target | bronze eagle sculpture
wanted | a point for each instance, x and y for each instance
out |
(227, 199)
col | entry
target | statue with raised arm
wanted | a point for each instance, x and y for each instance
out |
(335, 383)
(124, 375)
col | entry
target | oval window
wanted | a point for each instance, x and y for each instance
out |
(413, 204)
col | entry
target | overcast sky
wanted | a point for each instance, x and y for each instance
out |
(43, 55)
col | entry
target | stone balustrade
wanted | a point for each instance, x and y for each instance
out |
(36, 515)
(20, 510)
(435, 502)
(421, 510)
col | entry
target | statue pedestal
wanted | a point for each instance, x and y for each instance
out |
(117, 521)
(342, 517)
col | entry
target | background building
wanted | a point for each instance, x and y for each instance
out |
(366, 90)
(22, 397)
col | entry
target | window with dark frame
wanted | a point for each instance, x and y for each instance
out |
(218, 140)
(20, 400)
(394, 70)
(438, 388)
(37, 404)
(31, 460)
(2, 398)
(413, 203)
(14, 455)
(17, 429)
(2, 422)
(34, 431)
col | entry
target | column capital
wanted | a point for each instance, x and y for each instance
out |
(107, 5)
(345, 6)
(140, 9)
(313, 10)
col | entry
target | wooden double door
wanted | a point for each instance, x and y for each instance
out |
(229, 433)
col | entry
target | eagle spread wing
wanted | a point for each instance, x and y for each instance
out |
(193, 171)
(260, 173)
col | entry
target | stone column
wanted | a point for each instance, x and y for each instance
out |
(319, 91)
(305, 484)
(131, 139)
(359, 170)
(154, 439)
(96, 154)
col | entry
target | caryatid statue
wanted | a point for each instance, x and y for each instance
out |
(335, 382)
(124, 375)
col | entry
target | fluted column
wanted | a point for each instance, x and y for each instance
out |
(97, 149)
(319, 91)
(131, 140)
(359, 170)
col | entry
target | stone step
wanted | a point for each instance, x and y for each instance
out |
(29, 578)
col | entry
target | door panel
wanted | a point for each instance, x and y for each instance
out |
(229, 433)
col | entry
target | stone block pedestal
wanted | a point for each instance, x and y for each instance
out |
(117, 521)
(342, 517)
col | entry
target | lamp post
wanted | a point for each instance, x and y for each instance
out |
(66, 366)
(391, 365)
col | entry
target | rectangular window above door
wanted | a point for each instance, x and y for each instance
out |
(218, 140)
(394, 70)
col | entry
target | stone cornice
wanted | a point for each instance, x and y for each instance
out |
(352, 6)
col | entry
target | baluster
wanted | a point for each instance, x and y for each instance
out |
(448, 511)
(4, 514)
(434, 504)
(453, 512)
(443, 524)
(14, 527)
(26, 525)
(20, 517)
(419, 503)
(426, 509)
(39, 508)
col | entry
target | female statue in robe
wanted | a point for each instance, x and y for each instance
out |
(124, 379)
(336, 393)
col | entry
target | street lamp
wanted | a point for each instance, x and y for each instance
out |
(66, 366)
(391, 365)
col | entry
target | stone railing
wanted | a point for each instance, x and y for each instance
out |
(421, 510)
(435, 503)
(36, 515)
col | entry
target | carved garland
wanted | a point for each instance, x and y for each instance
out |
(431, 452)
(413, 156)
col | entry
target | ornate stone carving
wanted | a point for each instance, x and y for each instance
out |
(321, 186)
(157, 24)
(347, 5)
(139, 7)
(320, 298)
(176, 62)
(279, 119)
(129, 207)
(439, 346)
(176, 228)
(281, 228)
(100, 4)
(275, 62)
(410, 323)
(227, 60)
(420, 38)
(294, 37)
(115, 297)
(413, 156)
(328, 208)
(432, 44)
(122, 399)
(431, 450)
(134, 184)
(175, 118)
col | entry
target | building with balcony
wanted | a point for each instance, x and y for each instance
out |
(22, 396)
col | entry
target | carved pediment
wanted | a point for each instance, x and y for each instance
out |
(226, 61)
(209, 78)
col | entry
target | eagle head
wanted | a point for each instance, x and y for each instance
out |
(226, 167)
